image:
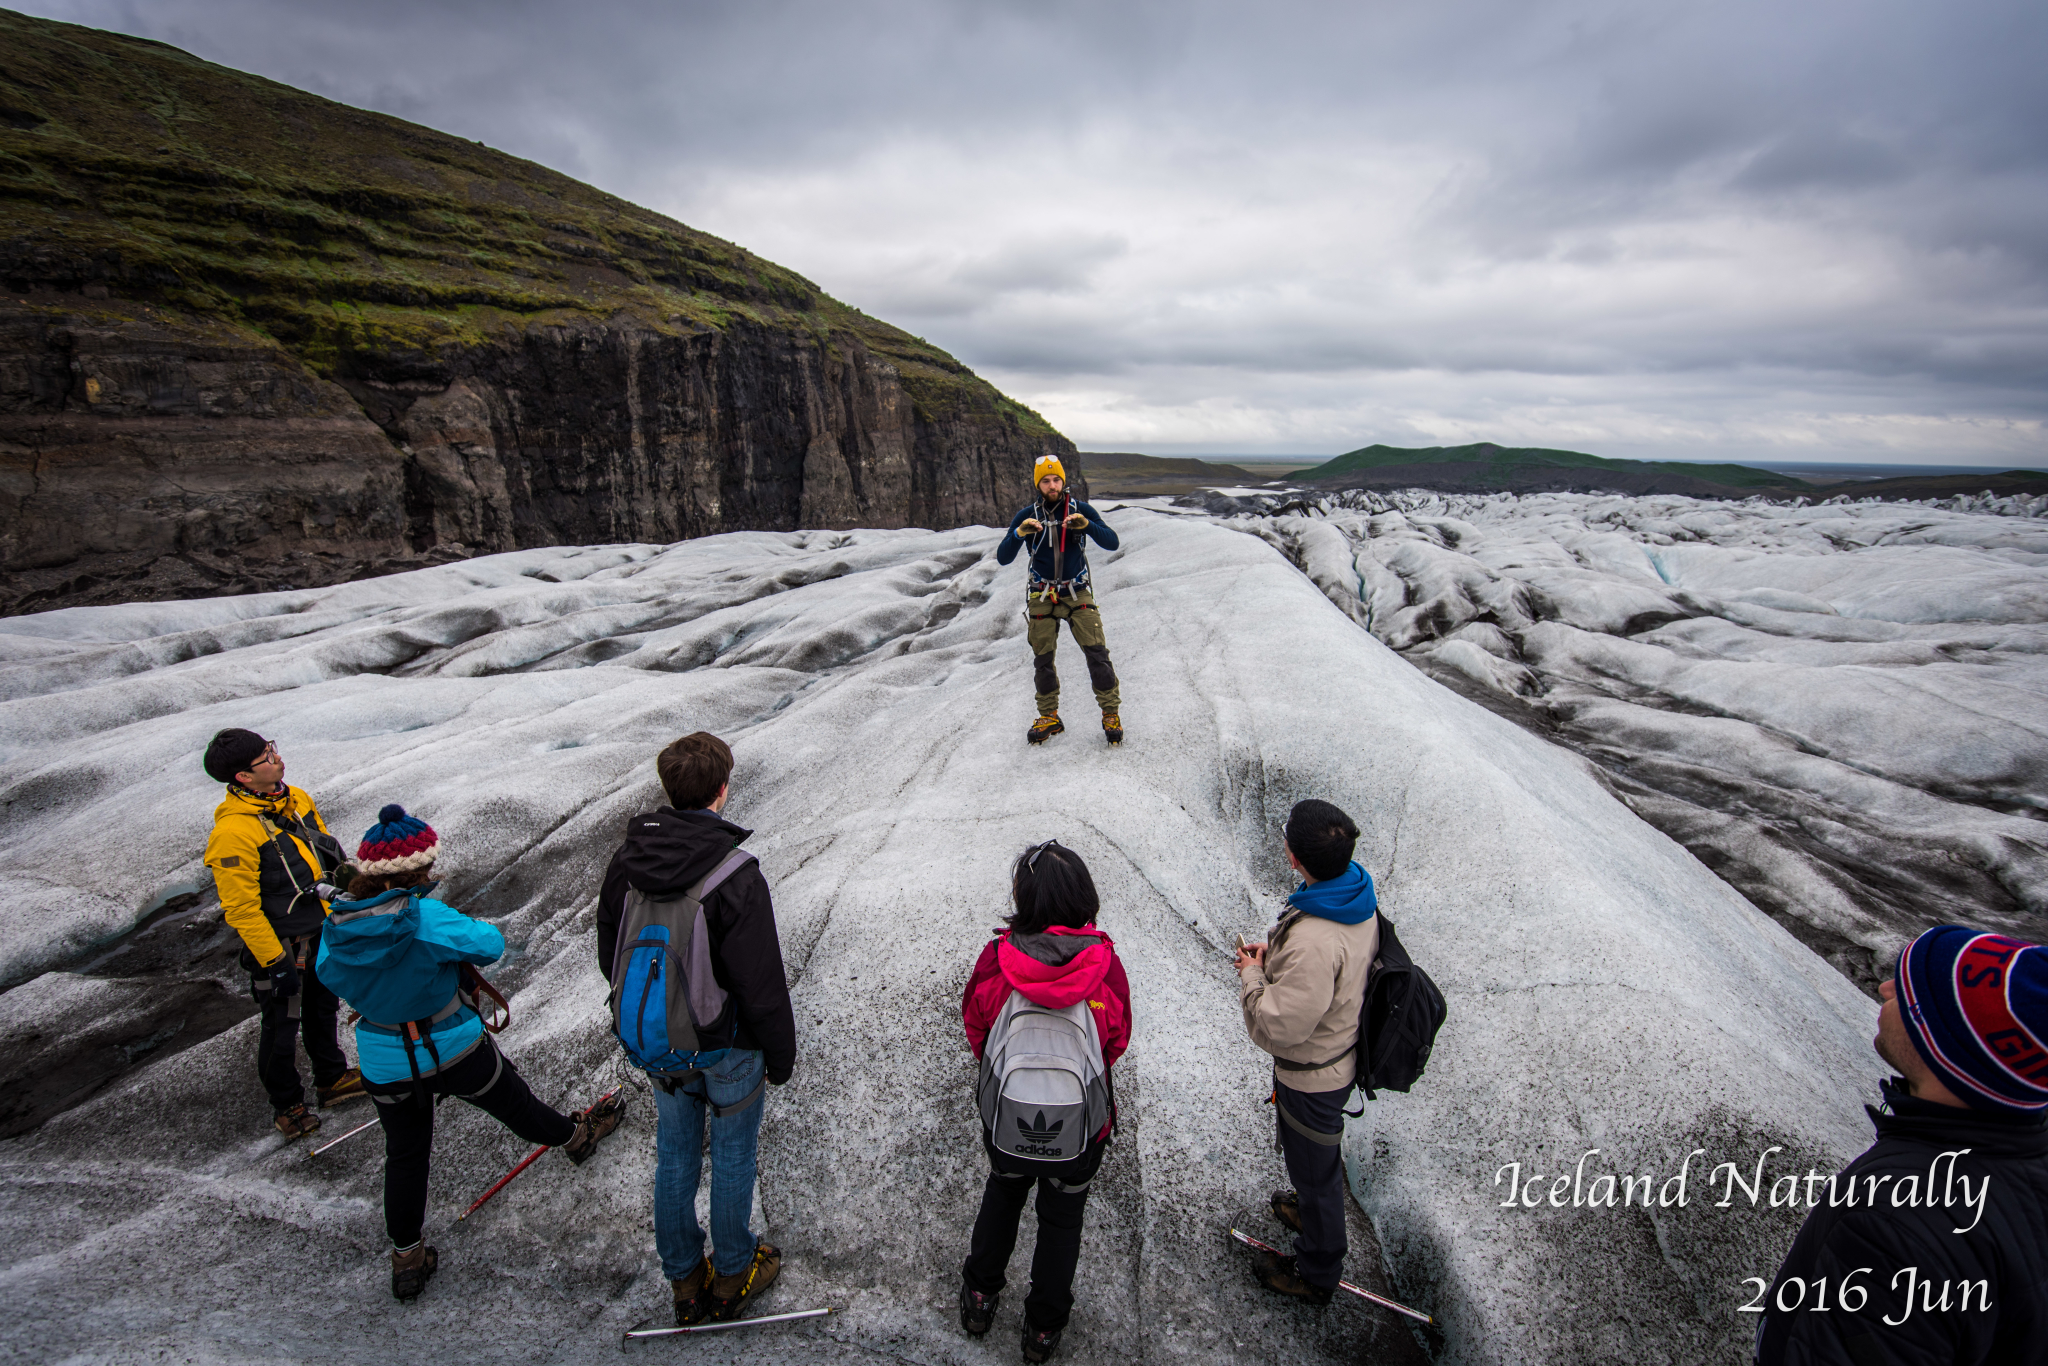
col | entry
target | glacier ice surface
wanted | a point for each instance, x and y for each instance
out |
(1606, 990)
(1842, 709)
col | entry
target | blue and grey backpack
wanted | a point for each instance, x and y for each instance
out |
(666, 1004)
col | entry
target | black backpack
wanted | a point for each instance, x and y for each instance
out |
(1397, 1021)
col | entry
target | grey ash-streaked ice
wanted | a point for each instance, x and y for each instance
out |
(1606, 990)
(1842, 709)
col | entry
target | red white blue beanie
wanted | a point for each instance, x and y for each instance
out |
(1976, 1006)
(397, 843)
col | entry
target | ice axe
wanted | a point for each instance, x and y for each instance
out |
(528, 1161)
(1360, 1291)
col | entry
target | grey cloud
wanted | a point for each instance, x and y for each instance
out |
(1051, 264)
(1822, 159)
(1583, 136)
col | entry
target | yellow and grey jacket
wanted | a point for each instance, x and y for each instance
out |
(268, 855)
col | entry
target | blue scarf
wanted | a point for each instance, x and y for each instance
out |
(1346, 898)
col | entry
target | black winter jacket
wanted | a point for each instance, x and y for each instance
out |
(1046, 561)
(667, 850)
(1912, 1251)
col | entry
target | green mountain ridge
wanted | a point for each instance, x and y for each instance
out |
(350, 237)
(1523, 457)
(252, 338)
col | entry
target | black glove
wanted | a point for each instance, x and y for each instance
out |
(774, 1080)
(284, 978)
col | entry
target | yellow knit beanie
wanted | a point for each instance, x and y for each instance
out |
(1047, 464)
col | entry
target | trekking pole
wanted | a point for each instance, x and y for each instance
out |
(503, 1182)
(506, 1180)
(337, 1142)
(730, 1323)
(1360, 1291)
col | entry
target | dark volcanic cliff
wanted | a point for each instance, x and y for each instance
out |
(252, 337)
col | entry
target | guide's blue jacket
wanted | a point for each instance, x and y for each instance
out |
(1046, 560)
(397, 957)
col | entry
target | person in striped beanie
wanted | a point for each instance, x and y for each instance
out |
(396, 954)
(1974, 1008)
(397, 843)
(1945, 1218)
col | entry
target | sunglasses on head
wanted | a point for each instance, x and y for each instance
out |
(1031, 860)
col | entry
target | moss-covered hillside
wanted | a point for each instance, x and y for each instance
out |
(359, 241)
(250, 336)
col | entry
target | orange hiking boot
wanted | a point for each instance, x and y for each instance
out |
(730, 1295)
(296, 1122)
(346, 1087)
(693, 1295)
(1112, 728)
(1044, 728)
(593, 1124)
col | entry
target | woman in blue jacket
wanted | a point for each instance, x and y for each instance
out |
(396, 955)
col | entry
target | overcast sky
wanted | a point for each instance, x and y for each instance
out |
(1728, 230)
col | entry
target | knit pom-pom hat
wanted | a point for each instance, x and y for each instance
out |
(1976, 1008)
(397, 843)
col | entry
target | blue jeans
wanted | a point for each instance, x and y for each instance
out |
(729, 1076)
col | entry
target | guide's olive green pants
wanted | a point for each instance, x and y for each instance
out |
(1079, 612)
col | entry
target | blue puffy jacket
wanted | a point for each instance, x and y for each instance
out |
(396, 957)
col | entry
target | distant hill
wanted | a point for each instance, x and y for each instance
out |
(1528, 469)
(1127, 475)
(251, 337)
(1912, 488)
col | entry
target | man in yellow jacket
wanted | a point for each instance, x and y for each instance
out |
(270, 852)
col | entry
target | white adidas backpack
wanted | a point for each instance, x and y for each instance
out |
(1044, 1090)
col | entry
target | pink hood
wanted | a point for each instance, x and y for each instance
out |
(1057, 967)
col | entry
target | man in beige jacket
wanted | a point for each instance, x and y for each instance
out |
(1301, 992)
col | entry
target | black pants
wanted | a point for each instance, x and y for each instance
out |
(311, 1015)
(1062, 1199)
(486, 1079)
(1317, 1171)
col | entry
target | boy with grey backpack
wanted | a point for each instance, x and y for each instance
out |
(1048, 1012)
(686, 936)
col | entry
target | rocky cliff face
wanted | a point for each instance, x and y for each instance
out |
(252, 338)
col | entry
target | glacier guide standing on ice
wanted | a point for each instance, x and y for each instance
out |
(686, 936)
(1933, 1245)
(1057, 527)
(269, 852)
(1301, 991)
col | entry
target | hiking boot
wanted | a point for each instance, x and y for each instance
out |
(348, 1086)
(730, 1295)
(693, 1295)
(1112, 728)
(1044, 728)
(1287, 1209)
(410, 1271)
(1281, 1275)
(593, 1124)
(296, 1122)
(1041, 1343)
(977, 1311)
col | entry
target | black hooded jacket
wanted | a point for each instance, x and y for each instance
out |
(667, 850)
(1912, 1248)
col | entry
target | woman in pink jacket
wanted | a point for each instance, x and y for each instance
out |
(1054, 956)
